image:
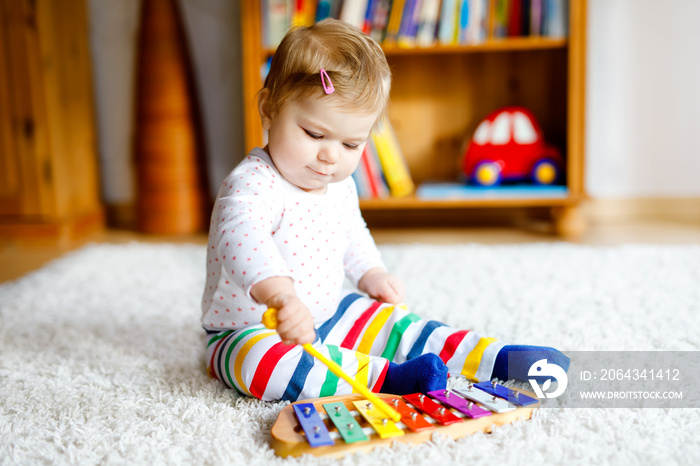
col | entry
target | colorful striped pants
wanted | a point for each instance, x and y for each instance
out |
(362, 337)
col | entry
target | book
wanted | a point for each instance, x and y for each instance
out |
(369, 13)
(535, 17)
(525, 12)
(368, 177)
(396, 173)
(277, 15)
(514, 18)
(394, 24)
(372, 170)
(409, 23)
(472, 22)
(380, 19)
(323, 10)
(299, 13)
(360, 178)
(449, 17)
(500, 20)
(310, 7)
(479, 23)
(353, 12)
(428, 21)
(555, 18)
(463, 23)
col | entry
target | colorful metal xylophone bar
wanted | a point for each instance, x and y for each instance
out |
(345, 424)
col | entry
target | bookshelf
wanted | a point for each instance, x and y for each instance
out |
(440, 94)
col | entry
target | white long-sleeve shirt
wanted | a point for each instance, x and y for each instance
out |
(262, 226)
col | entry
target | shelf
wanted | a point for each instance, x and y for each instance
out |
(415, 203)
(492, 45)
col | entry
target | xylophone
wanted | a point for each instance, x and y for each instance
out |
(343, 424)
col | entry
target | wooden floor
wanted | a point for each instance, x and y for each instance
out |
(19, 258)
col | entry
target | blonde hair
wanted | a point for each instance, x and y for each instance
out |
(354, 62)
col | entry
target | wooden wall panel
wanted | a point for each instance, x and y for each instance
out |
(50, 187)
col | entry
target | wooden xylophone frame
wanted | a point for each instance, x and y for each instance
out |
(288, 438)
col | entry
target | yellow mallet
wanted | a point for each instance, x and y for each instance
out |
(269, 319)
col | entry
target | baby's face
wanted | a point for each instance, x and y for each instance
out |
(315, 141)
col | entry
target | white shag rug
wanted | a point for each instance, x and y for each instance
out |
(101, 355)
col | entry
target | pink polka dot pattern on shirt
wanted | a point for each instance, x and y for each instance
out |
(263, 227)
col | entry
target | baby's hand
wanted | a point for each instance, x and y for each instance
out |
(295, 324)
(382, 286)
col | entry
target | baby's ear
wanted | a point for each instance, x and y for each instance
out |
(264, 108)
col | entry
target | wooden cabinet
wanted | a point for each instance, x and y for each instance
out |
(441, 93)
(48, 161)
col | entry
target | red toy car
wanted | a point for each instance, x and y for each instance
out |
(509, 145)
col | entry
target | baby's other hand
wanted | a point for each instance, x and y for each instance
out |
(382, 286)
(295, 325)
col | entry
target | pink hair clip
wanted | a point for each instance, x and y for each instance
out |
(327, 88)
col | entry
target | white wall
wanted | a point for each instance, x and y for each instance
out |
(113, 33)
(213, 31)
(643, 99)
(215, 45)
